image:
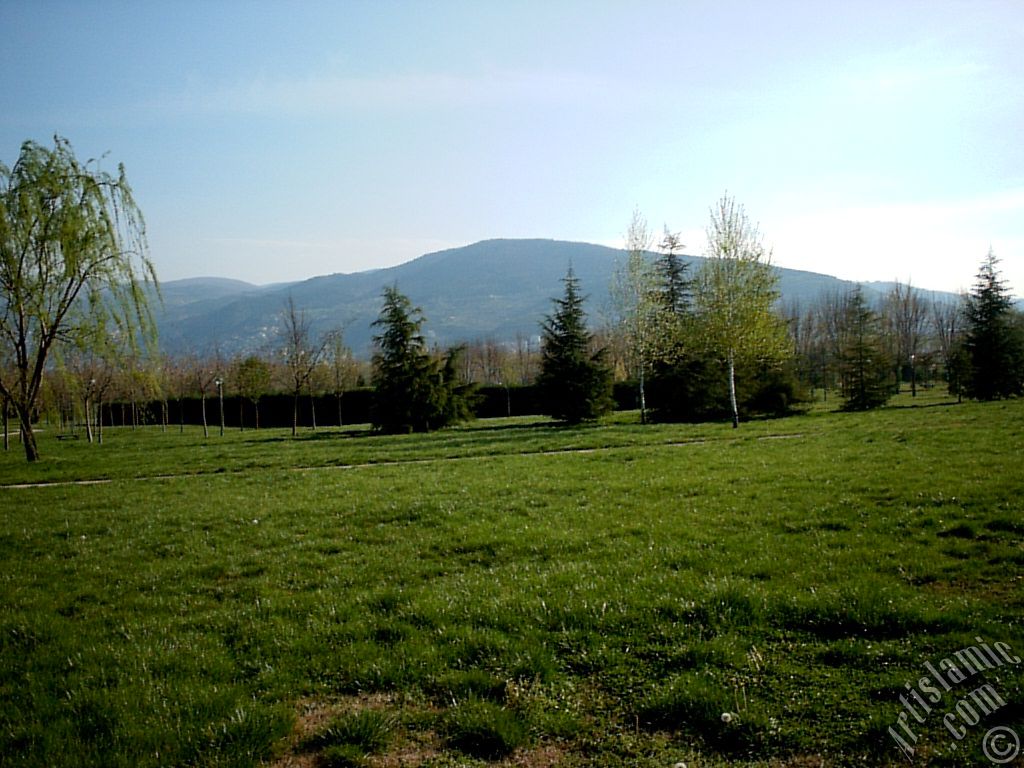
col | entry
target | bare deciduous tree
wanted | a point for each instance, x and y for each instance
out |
(905, 318)
(300, 353)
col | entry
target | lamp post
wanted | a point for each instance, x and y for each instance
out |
(99, 411)
(913, 376)
(220, 396)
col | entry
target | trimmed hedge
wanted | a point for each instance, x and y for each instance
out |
(774, 397)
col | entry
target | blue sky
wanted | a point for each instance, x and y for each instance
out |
(277, 141)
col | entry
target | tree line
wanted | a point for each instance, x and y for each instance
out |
(77, 335)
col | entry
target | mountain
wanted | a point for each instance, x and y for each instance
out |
(491, 289)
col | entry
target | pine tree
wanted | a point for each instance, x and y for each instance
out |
(674, 287)
(864, 365)
(576, 384)
(993, 343)
(413, 391)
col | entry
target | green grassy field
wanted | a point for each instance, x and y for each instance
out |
(514, 592)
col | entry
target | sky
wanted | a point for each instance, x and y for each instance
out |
(275, 141)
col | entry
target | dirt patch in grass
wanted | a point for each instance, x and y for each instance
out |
(1006, 590)
(541, 757)
(313, 715)
(411, 748)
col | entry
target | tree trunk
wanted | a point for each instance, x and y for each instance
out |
(99, 421)
(295, 413)
(181, 418)
(643, 397)
(256, 406)
(732, 391)
(241, 414)
(341, 421)
(206, 427)
(28, 437)
(87, 413)
(164, 415)
(7, 426)
(312, 410)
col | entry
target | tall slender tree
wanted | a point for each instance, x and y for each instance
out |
(301, 353)
(736, 291)
(635, 301)
(576, 382)
(947, 321)
(905, 317)
(200, 373)
(344, 370)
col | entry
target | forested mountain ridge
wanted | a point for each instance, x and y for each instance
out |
(491, 289)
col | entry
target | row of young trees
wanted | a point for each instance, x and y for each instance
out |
(842, 342)
(75, 328)
(718, 342)
(686, 340)
(974, 344)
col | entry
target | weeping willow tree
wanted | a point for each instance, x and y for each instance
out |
(737, 288)
(74, 267)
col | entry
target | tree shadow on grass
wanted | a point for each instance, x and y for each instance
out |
(327, 433)
(912, 406)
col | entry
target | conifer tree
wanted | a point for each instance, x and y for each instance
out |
(413, 391)
(993, 343)
(864, 365)
(576, 383)
(674, 287)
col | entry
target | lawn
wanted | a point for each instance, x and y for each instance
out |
(515, 592)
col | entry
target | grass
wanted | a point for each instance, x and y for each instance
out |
(604, 593)
(350, 738)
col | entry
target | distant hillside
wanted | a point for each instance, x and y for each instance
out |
(491, 289)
